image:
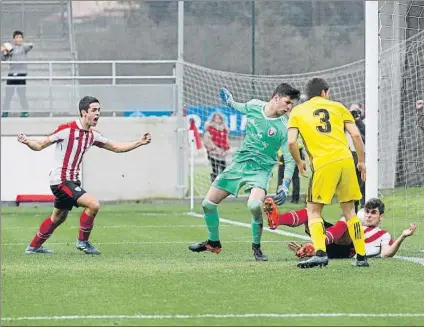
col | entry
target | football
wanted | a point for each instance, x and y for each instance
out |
(8, 48)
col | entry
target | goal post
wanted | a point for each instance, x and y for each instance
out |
(371, 96)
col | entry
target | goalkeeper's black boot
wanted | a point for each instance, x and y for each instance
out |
(318, 260)
(361, 261)
(212, 246)
(257, 253)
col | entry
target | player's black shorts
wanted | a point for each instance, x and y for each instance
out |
(67, 194)
(337, 251)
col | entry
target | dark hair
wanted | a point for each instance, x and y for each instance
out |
(375, 203)
(16, 33)
(85, 102)
(315, 86)
(285, 89)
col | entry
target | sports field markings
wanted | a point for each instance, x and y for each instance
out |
(416, 260)
(147, 242)
(118, 226)
(220, 316)
(238, 223)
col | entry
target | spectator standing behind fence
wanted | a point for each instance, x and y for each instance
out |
(216, 143)
(16, 51)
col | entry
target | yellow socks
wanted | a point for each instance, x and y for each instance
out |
(317, 230)
(356, 232)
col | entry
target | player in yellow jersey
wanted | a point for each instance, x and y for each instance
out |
(322, 124)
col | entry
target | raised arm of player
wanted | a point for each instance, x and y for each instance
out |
(228, 99)
(36, 145)
(120, 147)
(388, 251)
(355, 134)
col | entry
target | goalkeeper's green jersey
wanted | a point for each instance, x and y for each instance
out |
(264, 137)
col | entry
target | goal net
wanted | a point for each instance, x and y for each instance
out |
(401, 140)
(401, 145)
(201, 99)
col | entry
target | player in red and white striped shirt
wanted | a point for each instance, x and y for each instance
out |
(72, 141)
(378, 241)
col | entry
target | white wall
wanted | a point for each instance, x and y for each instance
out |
(147, 172)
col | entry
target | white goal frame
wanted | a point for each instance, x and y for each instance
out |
(372, 96)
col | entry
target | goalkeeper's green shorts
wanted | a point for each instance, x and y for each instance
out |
(239, 174)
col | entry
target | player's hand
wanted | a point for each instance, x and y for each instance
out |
(146, 139)
(226, 97)
(22, 138)
(302, 250)
(361, 167)
(420, 104)
(410, 230)
(302, 169)
(282, 192)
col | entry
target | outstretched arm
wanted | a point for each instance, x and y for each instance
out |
(120, 147)
(228, 99)
(35, 145)
(388, 251)
(28, 47)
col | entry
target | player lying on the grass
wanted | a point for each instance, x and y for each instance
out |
(252, 164)
(339, 244)
(72, 141)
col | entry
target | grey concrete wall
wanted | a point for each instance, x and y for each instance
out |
(151, 171)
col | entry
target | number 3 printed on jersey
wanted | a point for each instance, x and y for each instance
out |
(324, 116)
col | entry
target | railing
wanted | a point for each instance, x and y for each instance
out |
(122, 86)
(113, 76)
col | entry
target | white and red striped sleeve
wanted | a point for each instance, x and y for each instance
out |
(99, 139)
(60, 133)
(386, 239)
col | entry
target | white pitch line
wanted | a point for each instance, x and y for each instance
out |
(122, 226)
(416, 260)
(143, 243)
(238, 223)
(220, 316)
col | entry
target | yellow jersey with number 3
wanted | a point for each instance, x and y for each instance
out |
(321, 125)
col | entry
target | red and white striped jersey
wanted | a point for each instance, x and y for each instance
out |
(72, 142)
(375, 238)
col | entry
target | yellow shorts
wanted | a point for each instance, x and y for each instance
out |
(336, 178)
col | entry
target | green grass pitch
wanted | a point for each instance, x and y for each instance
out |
(146, 275)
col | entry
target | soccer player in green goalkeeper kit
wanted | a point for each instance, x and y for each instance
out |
(252, 164)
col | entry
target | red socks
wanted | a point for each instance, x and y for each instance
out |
(300, 217)
(86, 225)
(293, 218)
(335, 232)
(44, 232)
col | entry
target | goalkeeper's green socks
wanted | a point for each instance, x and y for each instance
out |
(255, 208)
(211, 219)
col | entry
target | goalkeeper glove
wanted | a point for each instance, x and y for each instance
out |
(302, 250)
(226, 97)
(282, 192)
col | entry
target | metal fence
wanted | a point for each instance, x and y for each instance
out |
(121, 90)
